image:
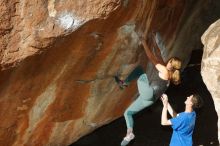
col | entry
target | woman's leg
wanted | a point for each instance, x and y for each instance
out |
(134, 74)
(144, 100)
(138, 105)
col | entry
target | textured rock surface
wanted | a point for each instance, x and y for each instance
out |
(58, 58)
(211, 64)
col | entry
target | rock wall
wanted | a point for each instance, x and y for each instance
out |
(211, 64)
(58, 59)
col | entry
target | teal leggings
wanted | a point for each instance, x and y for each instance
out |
(136, 73)
(145, 98)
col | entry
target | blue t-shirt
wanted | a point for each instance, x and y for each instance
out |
(183, 126)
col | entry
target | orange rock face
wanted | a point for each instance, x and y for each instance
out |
(58, 59)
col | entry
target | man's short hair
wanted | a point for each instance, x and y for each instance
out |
(197, 101)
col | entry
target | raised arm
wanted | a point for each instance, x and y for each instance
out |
(148, 52)
(158, 53)
(164, 119)
(166, 107)
(171, 111)
(163, 72)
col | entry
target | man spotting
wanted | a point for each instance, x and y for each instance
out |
(183, 123)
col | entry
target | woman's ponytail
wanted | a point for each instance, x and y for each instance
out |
(175, 77)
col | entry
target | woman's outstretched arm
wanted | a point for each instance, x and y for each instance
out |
(159, 66)
(157, 49)
(148, 52)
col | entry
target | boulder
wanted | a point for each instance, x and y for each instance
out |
(58, 59)
(210, 68)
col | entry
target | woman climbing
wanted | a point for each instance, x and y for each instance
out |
(148, 94)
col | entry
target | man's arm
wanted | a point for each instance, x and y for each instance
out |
(164, 119)
(171, 111)
(166, 106)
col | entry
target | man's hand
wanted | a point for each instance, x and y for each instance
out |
(164, 119)
(164, 99)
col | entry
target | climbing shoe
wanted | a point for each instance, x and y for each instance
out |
(127, 139)
(120, 83)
